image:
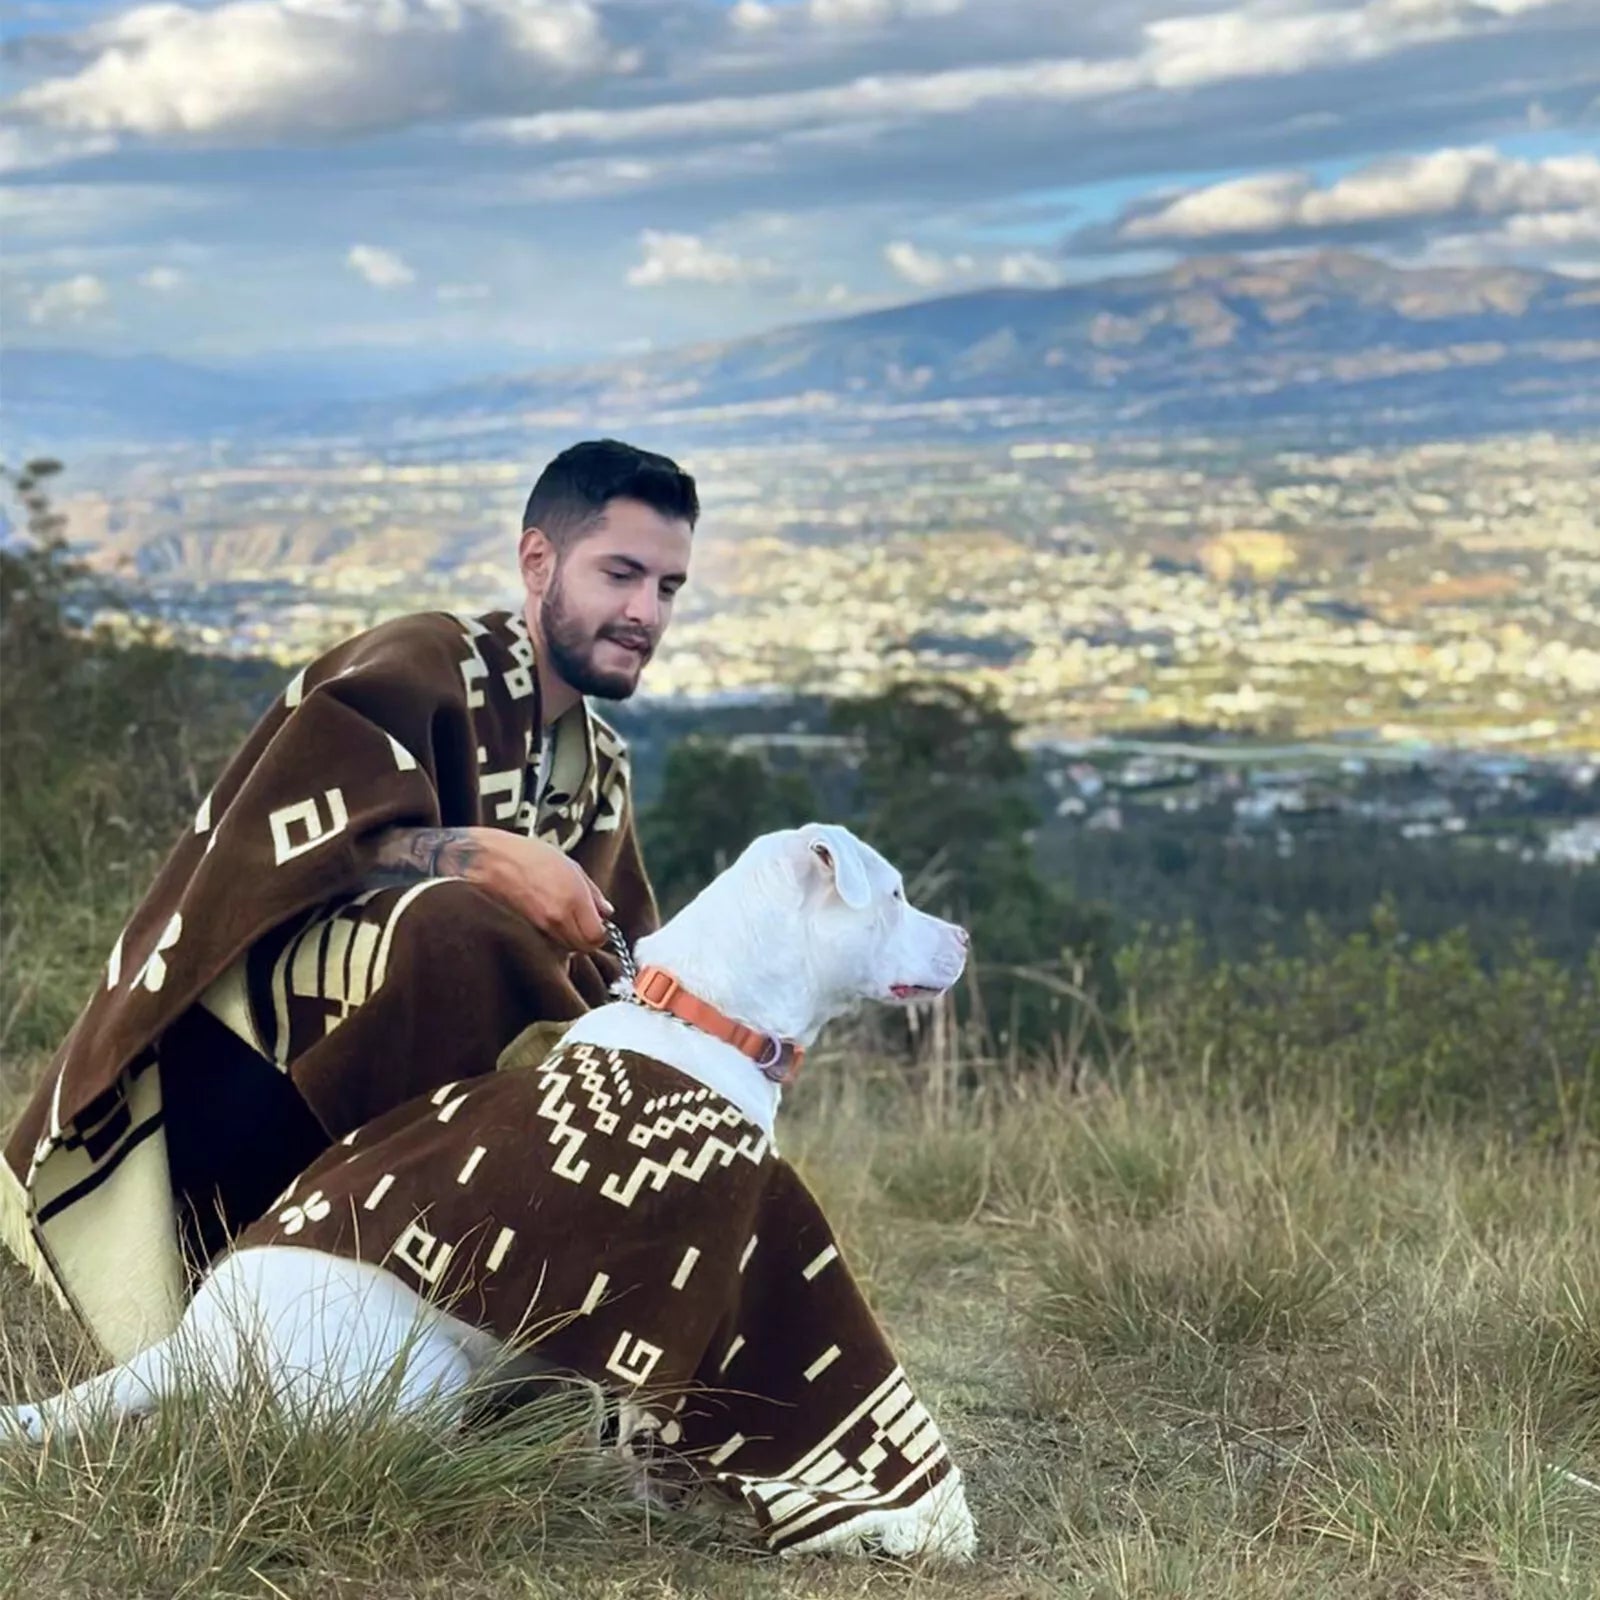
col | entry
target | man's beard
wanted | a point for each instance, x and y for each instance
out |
(571, 649)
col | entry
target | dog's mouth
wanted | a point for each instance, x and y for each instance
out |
(914, 991)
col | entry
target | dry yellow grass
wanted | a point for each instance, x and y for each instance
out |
(1180, 1349)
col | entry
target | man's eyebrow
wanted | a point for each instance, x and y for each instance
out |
(636, 567)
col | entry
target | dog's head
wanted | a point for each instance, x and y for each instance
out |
(844, 910)
(804, 926)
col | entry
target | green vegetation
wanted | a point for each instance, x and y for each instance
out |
(1242, 895)
(944, 790)
(106, 745)
(1386, 1030)
(713, 800)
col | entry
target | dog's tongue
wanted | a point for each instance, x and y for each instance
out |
(904, 991)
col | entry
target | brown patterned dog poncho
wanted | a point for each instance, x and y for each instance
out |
(648, 1236)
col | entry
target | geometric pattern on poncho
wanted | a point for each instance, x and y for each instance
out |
(646, 1236)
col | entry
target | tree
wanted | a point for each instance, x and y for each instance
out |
(37, 576)
(714, 799)
(106, 745)
(940, 777)
(945, 791)
(45, 524)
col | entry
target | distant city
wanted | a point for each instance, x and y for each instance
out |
(1445, 593)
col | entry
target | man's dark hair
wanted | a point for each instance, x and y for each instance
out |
(574, 490)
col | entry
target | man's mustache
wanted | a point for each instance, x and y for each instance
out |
(644, 643)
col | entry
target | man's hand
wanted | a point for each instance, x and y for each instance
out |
(535, 879)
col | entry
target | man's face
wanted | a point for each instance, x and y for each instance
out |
(604, 608)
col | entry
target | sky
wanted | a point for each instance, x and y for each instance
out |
(427, 189)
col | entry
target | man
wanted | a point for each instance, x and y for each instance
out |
(406, 864)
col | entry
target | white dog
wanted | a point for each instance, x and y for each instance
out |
(804, 926)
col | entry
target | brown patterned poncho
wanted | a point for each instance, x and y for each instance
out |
(650, 1239)
(428, 720)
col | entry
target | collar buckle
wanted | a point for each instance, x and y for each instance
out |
(657, 988)
(778, 1060)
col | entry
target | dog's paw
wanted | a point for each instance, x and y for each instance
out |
(22, 1423)
(938, 1527)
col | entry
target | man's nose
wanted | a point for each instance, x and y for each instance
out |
(644, 607)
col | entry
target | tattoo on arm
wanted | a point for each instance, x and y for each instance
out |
(412, 855)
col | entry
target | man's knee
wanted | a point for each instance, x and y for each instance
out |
(237, 1130)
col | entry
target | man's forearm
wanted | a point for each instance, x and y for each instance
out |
(530, 876)
(413, 855)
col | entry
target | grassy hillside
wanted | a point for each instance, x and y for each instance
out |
(1181, 1349)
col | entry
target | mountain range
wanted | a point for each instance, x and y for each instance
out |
(1324, 340)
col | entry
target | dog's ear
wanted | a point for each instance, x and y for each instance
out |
(840, 854)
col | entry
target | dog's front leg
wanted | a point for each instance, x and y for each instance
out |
(132, 1390)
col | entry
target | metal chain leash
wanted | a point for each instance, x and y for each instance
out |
(619, 947)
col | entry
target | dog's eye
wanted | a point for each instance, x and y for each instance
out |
(899, 894)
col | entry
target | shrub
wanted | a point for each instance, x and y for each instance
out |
(1391, 1030)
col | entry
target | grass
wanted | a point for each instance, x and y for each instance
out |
(1181, 1348)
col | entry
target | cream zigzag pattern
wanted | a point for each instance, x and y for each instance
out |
(689, 1162)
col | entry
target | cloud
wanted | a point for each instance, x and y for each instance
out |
(1473, 185)
(163, 280)
(1028, 269)
(868, 120)
(1560, 230)
(1568, 241)
(80, 211)
(267, 70)
(589, 178)
(1266, 39)
(687, 258)
(873, 13)
(895, 97)
(1255, 40)
(760, 16)
(71, 300)
(925, 268)
(24, 148)
(995, 76)
(383, 269)
(753, 16)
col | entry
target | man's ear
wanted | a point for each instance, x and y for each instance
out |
(839, 852)
(536, 559)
